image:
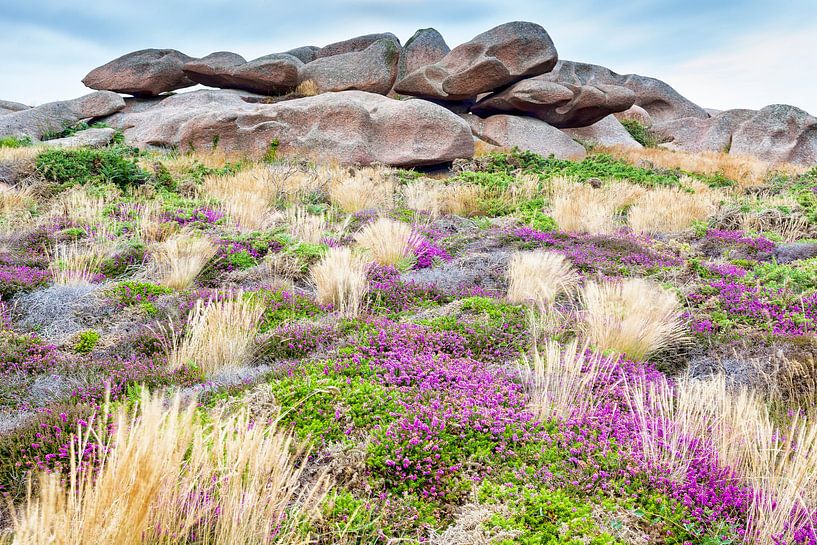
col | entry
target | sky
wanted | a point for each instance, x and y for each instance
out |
(719, 53)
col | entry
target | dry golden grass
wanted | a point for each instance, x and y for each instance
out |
(780, 463)
(305, 226)
(425, 196)
(246, 197)
(13, 155)
(340, 280)
(634, 316)
(14, 201)
(167, 476)
(561, 378)
(82, 205)
(219, 334)
(77, 263)
(307, 88)
(580, 208)
(669, 210)
(747, 171)
(538, 277)
(353, 190)
(387, 241)
(180, 164)
(291, 183)
(180, 259)
(464, 200)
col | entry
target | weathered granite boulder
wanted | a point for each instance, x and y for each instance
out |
(56, 116)
(561, 104)
(89, 138)
(305, 53)
(347, 127)
(526, 133)
(7, 107)
(425, 47)
(778, 134)
(696, 135)
(147, 72)
(353, 45)
(609, 132)
(372, 70)
(635, 113)
(269, 75)
(498, 57)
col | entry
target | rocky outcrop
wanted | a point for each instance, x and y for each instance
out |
(608, 133)
(148, 72)
(270, 75)
(356, 44)
(89, 138)
(777, 134)
(7, 107)
(426, 46)
(696, 135)
(562, 104)
(526, 133)
(347, 127)
(498, 57)
(661, 101)
(372, 70)
(56, 116)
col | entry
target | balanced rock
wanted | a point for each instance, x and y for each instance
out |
(498, 57)
(561, 104)
(147, 72)
(354, 45)
(661, 101)
(89, 138)
(425, 47)
(269, 75)
(372, 70)
(526, 133)
(348, 127)
(56, 116)
(608, 133)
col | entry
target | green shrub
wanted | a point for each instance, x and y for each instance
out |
(15, 141)
(641, 134)
(86, 341)
(69, 167)
(132, 292)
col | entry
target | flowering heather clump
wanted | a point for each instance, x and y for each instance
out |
(15, 279)
(608, 254)
(26, 354)
(774, 311)
(388, 292)
(202, 216)
(758, 244)
(427, 252)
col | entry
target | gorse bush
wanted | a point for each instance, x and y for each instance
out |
(69, 167)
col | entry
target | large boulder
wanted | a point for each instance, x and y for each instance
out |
(7, 107)
(89, 138)
(354, 45)
(696, 135)
(348, 127)
(661, 101)
(635, 113)
(426, 46)
(608, 133)
(526, 133)
(147, 72)
(56, 116)
(778, 134)
(498, 57)
(561, 104)
(269, 75)
(372, 70)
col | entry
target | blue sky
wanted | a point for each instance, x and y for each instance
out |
(721, 54)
